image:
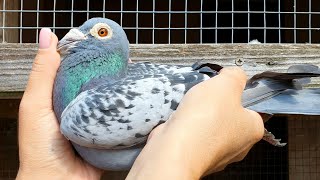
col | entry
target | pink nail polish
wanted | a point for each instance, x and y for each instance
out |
(44, 38)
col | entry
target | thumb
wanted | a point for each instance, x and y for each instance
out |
(44, 69)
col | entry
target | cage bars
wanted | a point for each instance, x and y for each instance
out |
(281, 14)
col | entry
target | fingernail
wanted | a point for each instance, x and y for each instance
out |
(45, 38)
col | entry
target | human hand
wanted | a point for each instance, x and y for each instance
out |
(43, 151)
(209, 130)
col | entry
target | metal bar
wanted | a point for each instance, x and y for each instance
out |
(279, 17)
(295, 21)
(264, 22)
(3, 21)
(157, 12)
(21, 22)
(232, 20)
(201, 19)
(249, 21)
(216, 24)
(137, 22)
(121, 14)
(180, 28)
(88, 8)
(54, 16)
(310, 21)
(104, 8)
(72, 6)
(185, 21)
(38, 8)
(169, 23)
(153, 20)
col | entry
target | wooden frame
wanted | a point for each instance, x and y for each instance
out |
(16, 62)
(16, 59)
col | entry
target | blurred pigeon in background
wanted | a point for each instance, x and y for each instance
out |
(107, 107)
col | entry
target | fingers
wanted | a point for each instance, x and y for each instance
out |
(44, 68)
(258, 125)
(229, 84)
(235, 77)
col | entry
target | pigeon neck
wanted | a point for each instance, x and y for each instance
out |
(76, 76)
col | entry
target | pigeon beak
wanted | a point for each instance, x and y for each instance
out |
(70, 39)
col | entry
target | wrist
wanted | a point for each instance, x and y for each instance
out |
(202, 155)
(164, 157)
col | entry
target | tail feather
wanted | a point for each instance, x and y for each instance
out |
(282, 93)
(268, 85)
(306, 101)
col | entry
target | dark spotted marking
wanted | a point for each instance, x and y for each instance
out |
(147, 120)
(86, 130)
(78, 120)
(103, 122)
(116, 111)
(157, 75)
(155, 90)
(83, 112)
(123, 121)
(75, 129)
(120, 128)
(93, 115)
(120, 91)
(106, 112)
(166, 93)
(160, 122)
(162, 116)
(101, 106)
(130, 113)
(79, 135)
(97, 96)
(129, 97)
(129, 107)
(147, 76)
(174, 105)
(129, 127)
(151, 106)
(132, 93)
(93, 140)
(90, 104)
(166, 101)
(85, 119)
(112, 119)
(175, 89)
(81, 106)
(112, 106)
(120, 103)
(138, 135)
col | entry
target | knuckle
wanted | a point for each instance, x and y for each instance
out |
(235, 76)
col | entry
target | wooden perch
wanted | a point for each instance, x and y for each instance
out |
(16, 59)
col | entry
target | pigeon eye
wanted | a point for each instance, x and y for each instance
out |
(103, 32)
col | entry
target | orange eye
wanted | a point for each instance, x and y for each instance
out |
(103, 32)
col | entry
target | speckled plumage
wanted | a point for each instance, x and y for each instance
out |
(107, 107)
(121, 114)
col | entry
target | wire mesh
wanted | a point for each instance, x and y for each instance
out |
(186, 21)
(169, 21)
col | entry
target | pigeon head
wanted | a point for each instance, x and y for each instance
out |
(97, 48)
(95, 35)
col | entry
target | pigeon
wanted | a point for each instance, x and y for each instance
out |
(107, 107)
